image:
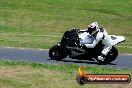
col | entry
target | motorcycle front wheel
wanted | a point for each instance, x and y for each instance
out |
(111, 56)
(58, 52)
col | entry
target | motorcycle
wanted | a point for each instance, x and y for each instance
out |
(70, 46)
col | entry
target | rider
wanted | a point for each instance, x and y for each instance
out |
(99, 34)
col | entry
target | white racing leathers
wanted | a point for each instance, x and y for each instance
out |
(101, 35)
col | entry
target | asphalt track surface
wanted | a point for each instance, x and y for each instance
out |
(41, 56)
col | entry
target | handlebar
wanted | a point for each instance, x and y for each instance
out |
(78, 30)
(81, 31)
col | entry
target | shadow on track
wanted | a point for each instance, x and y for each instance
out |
(82, 62)
(78, 61)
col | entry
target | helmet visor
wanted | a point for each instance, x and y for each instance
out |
(91, 30)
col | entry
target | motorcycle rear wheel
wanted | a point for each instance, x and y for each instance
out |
(58, 52)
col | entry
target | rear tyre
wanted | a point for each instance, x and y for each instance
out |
(58, 52)
(111, 56)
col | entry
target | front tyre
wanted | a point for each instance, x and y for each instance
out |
(58, 52)
(111, 56)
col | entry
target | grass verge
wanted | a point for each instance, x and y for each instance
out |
(18, 74)
(41, 23)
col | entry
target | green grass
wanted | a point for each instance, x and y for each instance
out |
(41, 23)
(16, 74)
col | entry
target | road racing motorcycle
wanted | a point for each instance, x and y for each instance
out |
(70, 46)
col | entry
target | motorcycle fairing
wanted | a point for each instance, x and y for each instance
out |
(117, 39)
(85, 38)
